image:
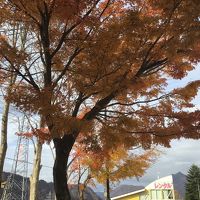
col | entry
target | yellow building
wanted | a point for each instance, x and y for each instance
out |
(166, 188)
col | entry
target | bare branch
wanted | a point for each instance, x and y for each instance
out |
(140, 102)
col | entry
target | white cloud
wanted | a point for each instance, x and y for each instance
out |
(182, 154)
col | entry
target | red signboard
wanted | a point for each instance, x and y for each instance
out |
(163, 185)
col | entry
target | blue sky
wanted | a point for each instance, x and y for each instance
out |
(179, 158)
(182, 154)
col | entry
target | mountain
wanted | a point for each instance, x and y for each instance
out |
(179, 180)
(46, 190)
(89, 194)
(100, 195)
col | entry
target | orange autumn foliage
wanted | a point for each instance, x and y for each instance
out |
(42, 134)
(116, 164)
(117, 49)
(109, 58)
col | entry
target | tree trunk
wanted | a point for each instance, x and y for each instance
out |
(36, 171)
(3, 147)
(4, 125)
(63, 147)
(81, 193)
(83, 187)
(108, 188)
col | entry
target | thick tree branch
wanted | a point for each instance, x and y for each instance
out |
(79, 101)
(44, 34)
(99, 106)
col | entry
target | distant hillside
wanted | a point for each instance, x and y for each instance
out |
(46, 190)
(100, 195)
(179, 180)
(89, 194)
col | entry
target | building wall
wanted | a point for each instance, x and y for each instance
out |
(151, 195)
(161, 189)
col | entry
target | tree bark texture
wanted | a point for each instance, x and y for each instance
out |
(63, 147)
(36, 172)
(107, 188)
(3, 147)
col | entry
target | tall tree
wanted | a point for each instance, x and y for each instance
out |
(78, 173)
(93, 55)
(119, 164)
(7, 80)
(192, 186)
(4, 126)
(34, 178)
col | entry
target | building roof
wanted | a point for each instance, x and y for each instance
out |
(125, 190)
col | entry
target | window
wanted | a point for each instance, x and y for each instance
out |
(161, 194)
(167, 194)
